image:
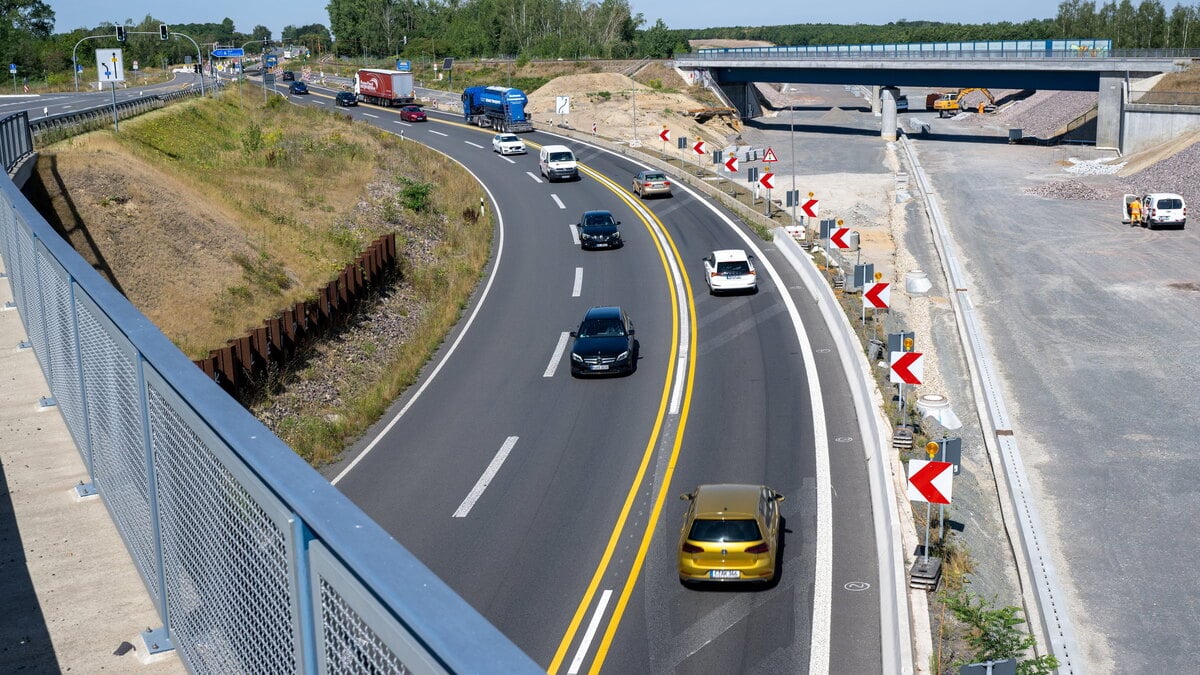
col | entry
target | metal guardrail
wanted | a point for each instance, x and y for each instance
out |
(255, 563)
(16, 142)
(56, 127)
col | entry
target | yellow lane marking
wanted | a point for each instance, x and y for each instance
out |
(648, 454)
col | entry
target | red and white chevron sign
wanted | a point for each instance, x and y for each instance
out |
(836, 237)
(907, 367)
(877, 295)
(731, 164)
(931, 482)
(810, 208)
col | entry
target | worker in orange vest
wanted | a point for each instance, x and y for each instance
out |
(1135, 212)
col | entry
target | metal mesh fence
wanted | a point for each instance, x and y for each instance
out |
(219, 516)
(225, 557)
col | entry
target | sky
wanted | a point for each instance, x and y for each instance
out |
(72, 14)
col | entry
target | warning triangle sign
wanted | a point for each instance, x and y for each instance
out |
(770, 156)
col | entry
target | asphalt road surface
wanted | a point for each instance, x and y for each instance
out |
(577, 524)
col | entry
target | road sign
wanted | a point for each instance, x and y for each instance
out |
(12, 68)
(810, 208)
(110, 64)
(769, 156)
(404, 65)
(930, 481)
(699, 147)
(665, 134)
(681, 142)
(877, 295)
(229, 52)
(562, 105)
(836, 237)
(752, 174)
(731, 164)
(907, 367)
(765, 181)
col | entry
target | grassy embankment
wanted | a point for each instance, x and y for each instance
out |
(304, 191)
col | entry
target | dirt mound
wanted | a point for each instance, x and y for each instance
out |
(608, 101)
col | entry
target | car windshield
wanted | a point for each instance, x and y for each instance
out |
(560, 157)
(594, 219)
(734, 268)
(602, 328)
(724, 530)
(509, 139)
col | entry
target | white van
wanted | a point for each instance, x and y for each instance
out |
(1159, 208)
(557, 162)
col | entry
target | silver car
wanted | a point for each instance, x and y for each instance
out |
(647, 183)
(508, 144)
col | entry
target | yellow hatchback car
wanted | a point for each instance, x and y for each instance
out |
(730, 533)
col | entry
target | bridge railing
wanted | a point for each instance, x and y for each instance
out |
(253, 560)
(825, 54)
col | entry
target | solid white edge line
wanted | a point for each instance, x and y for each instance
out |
(458, 340)
(578, 287)
(558, 201)
(574, 234)
(557, 356)
(591, 632)
(677, 392)
(486, 479)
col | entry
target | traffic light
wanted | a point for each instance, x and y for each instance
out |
(120, 33)
(163, 33)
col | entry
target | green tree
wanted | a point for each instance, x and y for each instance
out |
(657, 41)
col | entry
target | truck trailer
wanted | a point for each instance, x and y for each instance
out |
(384, 87)
(500, 108)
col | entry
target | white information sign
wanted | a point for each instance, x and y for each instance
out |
(562, 105)
(110, 64)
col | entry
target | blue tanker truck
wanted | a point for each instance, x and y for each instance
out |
(500, 108)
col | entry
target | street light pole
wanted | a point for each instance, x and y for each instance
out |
(74, 63)
(199, 59)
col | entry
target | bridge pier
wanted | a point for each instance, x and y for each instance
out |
(1110, 112)
(887, 99)
(876, 105)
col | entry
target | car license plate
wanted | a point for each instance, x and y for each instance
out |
(600, 366)
(724, 574)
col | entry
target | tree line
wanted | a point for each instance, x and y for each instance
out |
(374, 30)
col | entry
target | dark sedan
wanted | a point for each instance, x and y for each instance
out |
(598, 229)
(345, 99)
(298, 88)
(604, 343)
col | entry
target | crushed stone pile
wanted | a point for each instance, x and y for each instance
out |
(1094, 167)
(1045, 113)
(1068, 189)
(1179, 173)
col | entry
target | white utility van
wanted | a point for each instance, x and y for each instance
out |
(557, 162)
(1159, 208)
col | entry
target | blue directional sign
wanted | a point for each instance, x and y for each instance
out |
(12, 68)
(228, 53)
(404, 65)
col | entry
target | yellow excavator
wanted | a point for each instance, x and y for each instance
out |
(951, 101)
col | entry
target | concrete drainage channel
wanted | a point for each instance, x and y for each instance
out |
(1038, 573)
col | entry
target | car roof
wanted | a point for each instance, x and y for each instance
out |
(603, 312)
(1163, 195)
(730, 255)
(727, 500)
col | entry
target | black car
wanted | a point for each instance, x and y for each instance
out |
(288, 76)
(604, 343)
(598, 229)
(298, 88)
(345, 99)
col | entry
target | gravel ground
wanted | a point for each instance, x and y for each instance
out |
(1179, 173)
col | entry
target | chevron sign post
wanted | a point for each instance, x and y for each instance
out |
(907, 367)
(930, 482)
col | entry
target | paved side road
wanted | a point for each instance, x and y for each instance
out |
(69, 593)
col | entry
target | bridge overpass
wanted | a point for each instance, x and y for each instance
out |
(1106, 72)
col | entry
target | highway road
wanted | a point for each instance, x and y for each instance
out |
(549, 503)
(58, 103)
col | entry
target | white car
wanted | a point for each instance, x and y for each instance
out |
(730, 270)
(508, 144)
